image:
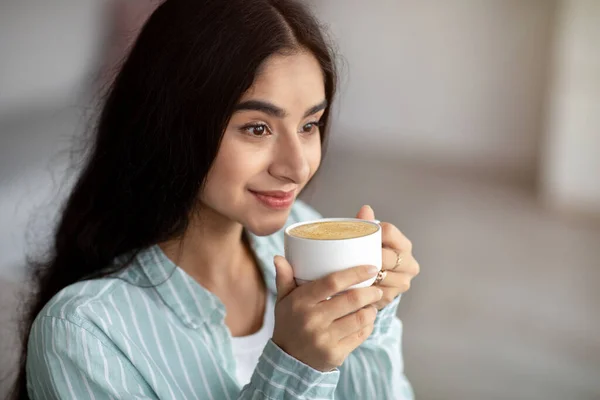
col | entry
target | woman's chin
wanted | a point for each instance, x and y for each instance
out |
(263, 228)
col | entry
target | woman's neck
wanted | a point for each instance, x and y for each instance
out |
(212, 250)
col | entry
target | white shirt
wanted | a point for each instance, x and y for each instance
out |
(247, 349)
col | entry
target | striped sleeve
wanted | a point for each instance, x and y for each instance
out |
(375, 370)
(280, 376)
(66, 361)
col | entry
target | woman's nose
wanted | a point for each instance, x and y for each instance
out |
(290, 161)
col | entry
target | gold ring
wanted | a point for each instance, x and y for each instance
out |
(380, 276)
(398, 260)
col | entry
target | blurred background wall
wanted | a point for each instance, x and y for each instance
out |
(474, 125)
(571, 151)
(46, 50)
(458, 83)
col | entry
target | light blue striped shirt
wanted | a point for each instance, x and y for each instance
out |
(152, 332)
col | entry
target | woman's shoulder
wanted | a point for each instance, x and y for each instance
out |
(90, 304)
(75, 298)
(81, 333)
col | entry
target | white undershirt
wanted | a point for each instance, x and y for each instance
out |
(247, 349)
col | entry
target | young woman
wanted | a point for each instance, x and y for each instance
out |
(162, 282)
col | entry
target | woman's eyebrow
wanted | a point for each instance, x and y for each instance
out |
(262, 106)
(271, 109)
(316, 108)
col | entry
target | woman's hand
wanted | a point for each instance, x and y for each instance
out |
(399, 265)
(321, 333)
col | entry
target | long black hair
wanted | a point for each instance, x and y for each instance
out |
(159, 131)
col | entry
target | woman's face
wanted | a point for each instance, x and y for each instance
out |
(271, 147)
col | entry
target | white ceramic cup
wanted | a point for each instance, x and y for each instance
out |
(313, 259)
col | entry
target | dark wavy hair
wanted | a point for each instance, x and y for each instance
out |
(159, 131)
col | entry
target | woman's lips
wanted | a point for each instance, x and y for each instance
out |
(276, 199)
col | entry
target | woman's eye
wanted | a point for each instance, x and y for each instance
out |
(257, 130)
(311, 127)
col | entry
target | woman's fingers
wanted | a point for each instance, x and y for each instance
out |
(355, 339)
(407, 262)
(394, 284)
(389, 295)
(349, 302)
(353, 323)
(392, 237)
(324, 288)
(284, 277)
(398, 280)
(389, 257)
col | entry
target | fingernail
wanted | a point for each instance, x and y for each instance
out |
(380, 293)
(372, 270)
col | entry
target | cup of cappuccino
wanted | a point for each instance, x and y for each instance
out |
(318, 248)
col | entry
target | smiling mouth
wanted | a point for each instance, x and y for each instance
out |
(276, 199)
(275, 193)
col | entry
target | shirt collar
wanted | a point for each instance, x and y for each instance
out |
(190, 301)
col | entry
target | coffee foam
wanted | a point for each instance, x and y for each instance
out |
(333, 230)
